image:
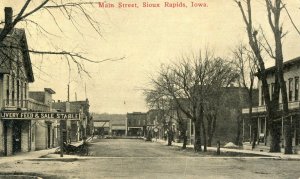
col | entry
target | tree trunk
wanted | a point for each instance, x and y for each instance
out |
(184, 140)
(170, 137)
(238, 135)
(275, 134)
(204, 137)
(209, 130)
(254, 132)
(197, 144)
(288, 149)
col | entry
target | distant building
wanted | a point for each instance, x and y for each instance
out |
(228, 113)
(45, 130)
(86, 124)
(136, 123)
(110, 124)
(75, 130)
(66, 125)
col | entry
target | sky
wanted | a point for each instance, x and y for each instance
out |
(145, 37)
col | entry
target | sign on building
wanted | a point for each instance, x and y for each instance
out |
(39, 115)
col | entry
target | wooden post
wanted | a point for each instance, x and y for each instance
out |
(218, 147)
(265, 131)
(61, 138)
(243, 130)
(250, 134)
(282, 134)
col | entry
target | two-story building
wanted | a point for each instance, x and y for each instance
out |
(15, 75)
(228, 114)
(44, 130)
(136, 123)
(291, 76)
(85, 126)
(75, 130)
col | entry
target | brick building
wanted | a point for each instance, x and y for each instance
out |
(136, 123)
(75, 130)
(231, 102)
(62, 107)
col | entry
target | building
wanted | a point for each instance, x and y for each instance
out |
(85, 126)
(155, 126)
(110, 124)
(291, 70)
(227, 113)
(15, 75)
(75, 130)
(66, 125)
(136, 123)
(45, 130)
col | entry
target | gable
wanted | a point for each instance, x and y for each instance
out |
(14, 55)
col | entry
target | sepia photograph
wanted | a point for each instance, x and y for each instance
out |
(150, 89)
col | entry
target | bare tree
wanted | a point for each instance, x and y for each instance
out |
(71, 10)
(194, 79)
(158, 99)
(274, 9)
(247, 66)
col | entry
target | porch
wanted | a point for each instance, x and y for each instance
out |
(259, 115)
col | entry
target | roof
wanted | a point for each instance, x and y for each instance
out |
(286, 64)
(18, 36)
(49, 90)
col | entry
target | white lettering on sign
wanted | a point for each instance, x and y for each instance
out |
(38, 115)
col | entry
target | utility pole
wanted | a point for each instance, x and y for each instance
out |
(68, 92)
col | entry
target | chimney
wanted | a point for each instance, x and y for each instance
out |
(8, 15)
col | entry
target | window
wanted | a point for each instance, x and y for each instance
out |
(21, 88)
(272, 90)
(7, 90)
(13, 90)
(262, 96)
(25, 91)
(291, 89)
(296, 88)
(18, 91)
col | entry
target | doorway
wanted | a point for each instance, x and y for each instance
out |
(5, 137)
(17, 132)
(49, 136)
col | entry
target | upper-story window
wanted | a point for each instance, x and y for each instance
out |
(13, 90)
(18, 91)
(7, 90)
(21, 91)
(272, 90)
(262, 96)
(296, 88)
(25, 91)
(291, 89)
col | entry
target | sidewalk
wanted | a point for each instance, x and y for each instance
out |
(26, 155)
(263, 153)
(35, 154)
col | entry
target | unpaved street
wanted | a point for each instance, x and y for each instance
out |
(129, 158)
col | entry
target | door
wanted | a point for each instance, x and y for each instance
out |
(17, 132)
(5, 137)
(49, 136)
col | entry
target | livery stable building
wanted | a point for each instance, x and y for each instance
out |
(22, 133)
(27, 122)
